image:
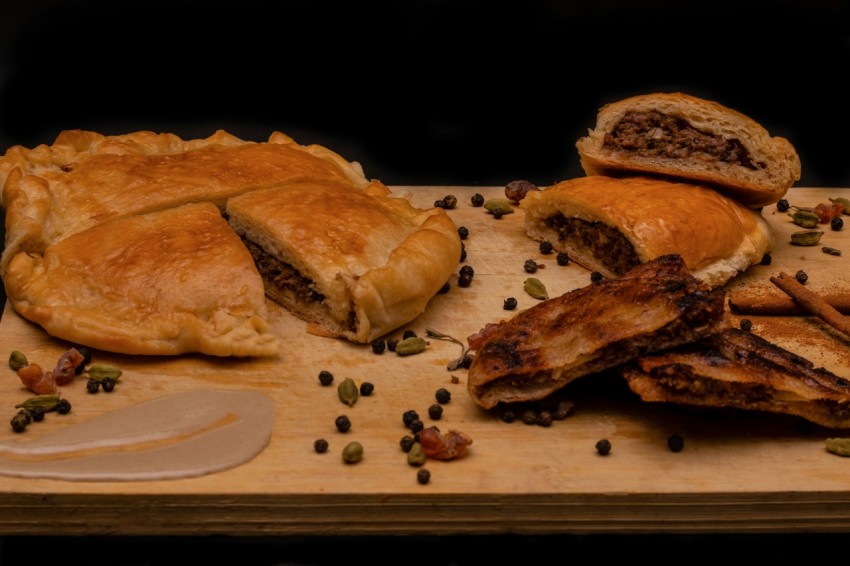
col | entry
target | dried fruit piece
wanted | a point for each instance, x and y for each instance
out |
(439, 446)
(37, 380)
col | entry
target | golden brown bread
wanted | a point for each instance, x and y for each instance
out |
(678, 135)
(166, 282)
(358, 264)
(89, 219)
(611, 224)
(656, 305)
(85, 178)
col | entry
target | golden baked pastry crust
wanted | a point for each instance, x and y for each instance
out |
(371, 280)
(167, 282)
(85, 178)
(773, 163)
(716, 236)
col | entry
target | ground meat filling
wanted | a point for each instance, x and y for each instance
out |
(605, 243)
(653, 134)
(282, 275)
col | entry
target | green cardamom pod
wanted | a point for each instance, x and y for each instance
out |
(347, 391)
(412, 345)
(17, 360)
(104, 372)
(352, 453)
(843, 202)
(498, 206)
(807, 238)
(43, 402)
(840, 446)
(831, 251)
(535, 288)
(416, 455)
(805, 218)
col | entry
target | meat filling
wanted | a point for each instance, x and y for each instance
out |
(282, 275)
(607, 244)
(653, 134)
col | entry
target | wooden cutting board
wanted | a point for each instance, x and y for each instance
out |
(737, 472)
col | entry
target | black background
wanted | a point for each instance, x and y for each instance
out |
(420, 92)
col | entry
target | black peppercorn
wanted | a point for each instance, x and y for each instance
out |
(379, 345)
(449, 201)
(603, 447)
(546, 247)
(409, 416)
(423, 476)
(63, 406)
(529, 416)
(20, 421)
(837, 223)
(562, 258)
(510, 303)
(343, 423)
(108, 385)
(326, 377)
(92, 385)
(467, 270)
(409, 333)
(544, 418)
(36, 414)
(439, 204)
(416, 426)
(320, 445)
(462, 253)
(477, 199)
(464, 280)
(530, 266)
(463, 232)
(467, 362)
(391, 344)
(367, 388)
(406, 442)
(801, 277)
(746, 324)
(676, 442)
(445, 288)
(508, 416)
(435, 411)
(782, 205)
(497, 214)
(595, 276)
(443, 395)
(766, 259)
(87, 355)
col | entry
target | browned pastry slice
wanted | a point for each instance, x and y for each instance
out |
(679, 135)
(167, 282)
(356, 263)
(654, 306)
(741, 370)
(85, 178)
(612, 224)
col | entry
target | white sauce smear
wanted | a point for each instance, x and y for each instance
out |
(181, 435)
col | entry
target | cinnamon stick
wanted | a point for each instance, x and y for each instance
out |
(812, 302)
(765, 302)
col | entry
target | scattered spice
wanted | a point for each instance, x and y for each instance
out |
(325, 377)
(603, 447)
(746, 324)
(102, 376)
(449, 201)
(416, 455)
(378, 346)
(510, 303)
(320, 445)
(17, 360)
(423, 476)
(838, 446)
(347, 391)
(782, 205)
(801, 277)
(546, 247)
(464, 280)
(352, 453)
(443, 395)
(367, 388)
(435, 411)
(508, 416)
(416, 425)
(806, 238)
(843, 202)
(836, 223)
(804, 218)
(766, 259)
(343, 423)
(676, 442)
(830, 251)
(544, 418)
(562, 258)
(463, 232)
(411, 346)
(409, 416)
(408, 333)
(530, 266)
(406, 442)
(498, 207)
(596, 276)
(392, 343)
(477, 199)
(535, 288)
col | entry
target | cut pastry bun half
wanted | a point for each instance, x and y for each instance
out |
(690, 138)
(613, 224)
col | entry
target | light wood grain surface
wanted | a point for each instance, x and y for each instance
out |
(738, 472)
